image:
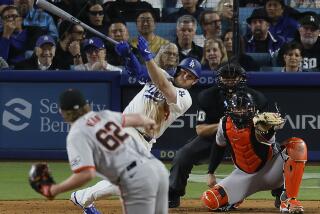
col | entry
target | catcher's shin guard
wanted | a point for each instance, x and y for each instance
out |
(294, 166)
(215, 197)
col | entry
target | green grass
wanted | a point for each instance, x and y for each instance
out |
(14, 181)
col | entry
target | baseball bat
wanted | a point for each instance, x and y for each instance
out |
(66, 16)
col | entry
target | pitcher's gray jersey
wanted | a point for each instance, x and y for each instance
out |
(151, 103)
(97, 140)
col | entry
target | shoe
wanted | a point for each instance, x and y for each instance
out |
(86, 210)
(230, 207)
(277, 202)
(174, 200)
(291, 205)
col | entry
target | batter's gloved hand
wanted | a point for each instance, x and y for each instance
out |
(123, 49)
(144, 49)
(41, 180)
(263, 122)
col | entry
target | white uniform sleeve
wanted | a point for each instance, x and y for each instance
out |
(184, 101)
(80, 153)
(220, 138)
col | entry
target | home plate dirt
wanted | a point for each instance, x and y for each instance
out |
(114, 207)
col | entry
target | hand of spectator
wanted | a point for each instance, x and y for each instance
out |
(144, 49)
(123, 49)
(99, 66)
(9, 27)
(74, 48)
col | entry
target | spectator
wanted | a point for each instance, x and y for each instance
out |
(281, 24)
(210, 23)
(168, 58)
(126, 9)
(246, 61)
(309, 31)
(261, 39)
(189, 7)
(36, 21)
(225, 10)
(214, 54)
(45, 50)
(292, 57)
(145, 26)
(96, 17)
(95, 51)
(186, 30)
(68, 47)
(119, 32)
(13, 38)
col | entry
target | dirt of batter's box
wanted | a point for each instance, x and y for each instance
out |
(114, 207)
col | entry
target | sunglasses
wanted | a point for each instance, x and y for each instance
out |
(96, 13)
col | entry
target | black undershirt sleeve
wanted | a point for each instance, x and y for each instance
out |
(216, 156)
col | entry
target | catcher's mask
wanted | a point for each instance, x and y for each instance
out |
(231, 77)
(241, 109)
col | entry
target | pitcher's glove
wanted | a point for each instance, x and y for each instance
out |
(40, 179)
(266, 121)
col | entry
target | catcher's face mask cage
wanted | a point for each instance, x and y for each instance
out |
(241, 109)
(231, 77)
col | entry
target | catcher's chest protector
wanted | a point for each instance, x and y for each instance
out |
(244, 155)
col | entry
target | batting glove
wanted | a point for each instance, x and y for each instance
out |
(123, 49)
(144, 49)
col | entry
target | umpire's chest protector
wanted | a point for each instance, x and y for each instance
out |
(243, 152)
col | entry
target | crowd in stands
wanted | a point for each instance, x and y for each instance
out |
(282, 34)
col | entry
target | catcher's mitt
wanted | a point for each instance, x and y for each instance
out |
(263, 122)
(40, 179)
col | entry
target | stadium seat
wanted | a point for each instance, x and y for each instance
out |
(271, 69)
(262, 59)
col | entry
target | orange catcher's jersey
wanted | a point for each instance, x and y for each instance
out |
(248, 153)
(151, 103)
(97, 140)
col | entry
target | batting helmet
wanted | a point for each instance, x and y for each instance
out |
(241, 109)
(190, 64)
(231, 77)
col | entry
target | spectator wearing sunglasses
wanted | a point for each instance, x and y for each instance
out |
(96, 17)
(13, 38)
(95, 52)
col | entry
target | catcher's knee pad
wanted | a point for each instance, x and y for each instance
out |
(215, 197)
(294, 166)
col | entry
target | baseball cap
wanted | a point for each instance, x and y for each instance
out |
(71, 99)
(45, 39)
(93, 42)
(259, 13)
(312, 20)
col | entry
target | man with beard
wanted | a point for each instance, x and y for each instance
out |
(186, 30)
(261, 40)
(42, 59)
(309, 39)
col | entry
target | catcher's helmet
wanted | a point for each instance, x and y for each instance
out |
(231, 77)
(190, 64)
(241, 109)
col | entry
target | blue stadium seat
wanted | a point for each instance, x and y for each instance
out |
(262, 59)
(165, 30)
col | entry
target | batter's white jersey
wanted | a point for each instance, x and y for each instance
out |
(151, 103)
(97, 140)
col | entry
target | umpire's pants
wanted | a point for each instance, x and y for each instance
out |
(195, 152)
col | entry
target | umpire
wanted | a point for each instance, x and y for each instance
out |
(231, 77)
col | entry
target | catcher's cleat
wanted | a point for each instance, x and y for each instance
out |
(230, 207)
(86, 210)
(291, 205)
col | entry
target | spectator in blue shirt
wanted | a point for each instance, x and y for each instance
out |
(282, 24)
(36, 21)
(261, 40)
(13, 38)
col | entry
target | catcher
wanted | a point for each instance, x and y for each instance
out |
(261, 163)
